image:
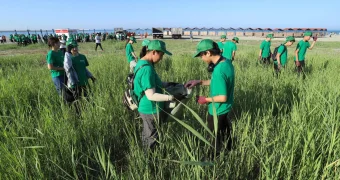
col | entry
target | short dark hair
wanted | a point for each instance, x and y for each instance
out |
(52, 41)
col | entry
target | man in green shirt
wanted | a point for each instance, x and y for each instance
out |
(282, 52)
(230, 48)
(221, 43)
(265, 51)
(301, 50)
(221, 88)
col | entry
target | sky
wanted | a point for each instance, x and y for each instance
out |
(108, 14)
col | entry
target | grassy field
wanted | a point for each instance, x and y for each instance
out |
(283, 128)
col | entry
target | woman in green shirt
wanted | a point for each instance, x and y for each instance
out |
(221, 89)
(55, 64)
(75, 65)
(148, 88)
(130, 53)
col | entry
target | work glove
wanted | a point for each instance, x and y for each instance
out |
(201, 100)
(192, 83)
(315, 38)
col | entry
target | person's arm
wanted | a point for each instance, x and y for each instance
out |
(50, 63)
(157, 97)
(278, 58)
(134, 55)
(51, 67)
(217, 99)
(234, 52)
(261, 48)
(311, 47)
(297, 54)
(192, 83)
(260, 54)
(205, 82)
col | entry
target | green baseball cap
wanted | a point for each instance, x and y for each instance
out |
(223, 37)
(290, 38)
(308, 33)
(133, 39)
(270, 36)
(204, 45)
(72, 42)
(158, 45)
(145, 42)
(236, 39)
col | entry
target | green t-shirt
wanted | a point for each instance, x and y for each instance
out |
(57, 60)
(222, 83)
(302, 46)
(265, 47)
(228, 49)
(283, 55)
(129, 50)
(220, 45)
(147, 78)
(79, 63)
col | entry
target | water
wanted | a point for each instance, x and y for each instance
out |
(7, 33)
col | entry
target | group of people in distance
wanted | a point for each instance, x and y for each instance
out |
(280, 60)
(148, 87)
(68, 71)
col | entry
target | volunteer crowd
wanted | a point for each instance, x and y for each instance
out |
(70, 67)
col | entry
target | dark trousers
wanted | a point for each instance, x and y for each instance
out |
(100, 45)
(300, 67)
(72, 96)
(265, 60)
(223, 130)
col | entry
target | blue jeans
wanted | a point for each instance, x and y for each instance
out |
(59, 82)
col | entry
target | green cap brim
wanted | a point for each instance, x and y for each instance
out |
(167, 52)
(196, 54)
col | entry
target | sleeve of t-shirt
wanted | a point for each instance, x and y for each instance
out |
(262, 45)
(148, 79)
(235, 48)
(220, 85)
(299, 45)
(49, 58)
(308, 46)
(128, 48)
(281, 49)
(86, 62)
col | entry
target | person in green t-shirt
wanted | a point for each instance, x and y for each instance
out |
(80, 64)
(130, 53)
(55, 64)
(301, 50)
(11, 37)
(148, 89)
(75, 65)
(282, 54)
(230, 48)
(221, 84)
(265, 51)
(221, 43)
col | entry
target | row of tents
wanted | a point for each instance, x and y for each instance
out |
(249, 32)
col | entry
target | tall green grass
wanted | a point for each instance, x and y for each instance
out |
(283, 128)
